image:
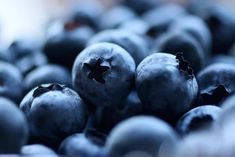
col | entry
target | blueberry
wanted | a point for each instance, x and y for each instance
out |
(221, 22)
(197, 28)
(103, 74)
(82, 145)
(53, 113)
(106, 118)
(116, 16)
(63, 48)
(131, 42)
(159, 18)
(216, 82)
(47, 74)
(85, 13)
(143, 135)
(10, 82)
(199, 118)
(5, 56)
(166, 85)
(36, 149)
(13, 128)
(141, 6)
(180, 41)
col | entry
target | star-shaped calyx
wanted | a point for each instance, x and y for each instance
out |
(96, 69)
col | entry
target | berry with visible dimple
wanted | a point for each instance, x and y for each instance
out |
(166, 85)
(103, 74)
(53, 113)
(216, 82)
(199, 118)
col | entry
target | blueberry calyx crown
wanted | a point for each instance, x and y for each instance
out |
(43, 89)
(215, 95)
(200, 122)
(184, 65)
(96, 70)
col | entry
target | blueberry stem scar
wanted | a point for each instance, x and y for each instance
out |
(96, 71)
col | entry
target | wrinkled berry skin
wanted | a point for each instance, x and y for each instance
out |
(198, 118)
(103, 74)
(63, 47)
(141, 134)
(81, 145)
(166, 85)
(36, 149)
(10, 82)
(216, 82)
(53, 113)
(180, 41)
(47, 74)
(14, 128)
(131, 42)
(196, 27)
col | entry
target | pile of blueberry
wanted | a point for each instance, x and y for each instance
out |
(144, 78)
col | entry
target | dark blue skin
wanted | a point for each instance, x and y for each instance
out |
(53, 113)
(197, 28)
(85, 13)
(47, 74)
(216, 82)
(36, 149)
(159, 19)
(166, 85)
(10, 78)
(13, 128)
(103, 74)
(131, 42)
(106, 118)
(82, 145)
(221, 22)
(180, 41)
(141, 6)
(199, 118)
(226, 59)
(141, 134)
(115, 17)
(63, 47)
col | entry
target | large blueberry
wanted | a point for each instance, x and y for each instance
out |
(10, 82)
(131, 42)
(53, 113)
(13, 128)
(180, 41)
(166, 85)
(47, 74)
(63, 47)
(141, 135)
(216, 82)
(103, 74)
(199, 118)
